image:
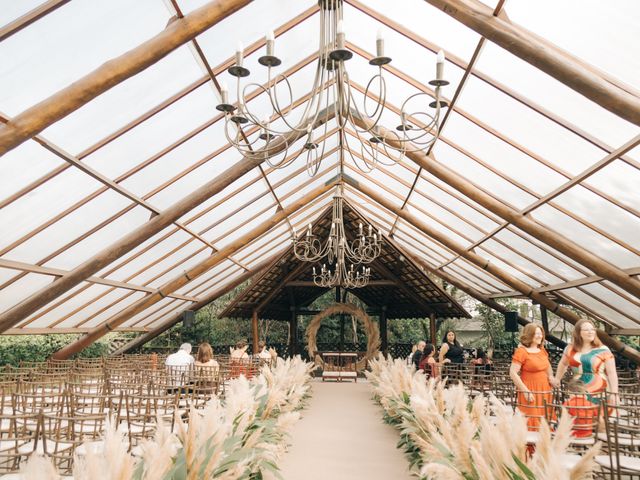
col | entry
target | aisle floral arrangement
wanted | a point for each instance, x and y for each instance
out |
(241, 437)
(448, 435)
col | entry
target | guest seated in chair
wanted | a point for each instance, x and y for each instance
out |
(428, 362)
(266, 356)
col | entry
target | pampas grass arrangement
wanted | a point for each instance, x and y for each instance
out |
(449, 436)
(240, 438)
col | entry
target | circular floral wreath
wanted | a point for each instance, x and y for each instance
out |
(370, 328)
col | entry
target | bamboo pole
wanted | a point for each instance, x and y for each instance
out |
(186, 277)
(572, 250)
(497, 272)
(557, 63)
(127, 243)
(170, 322)
(35, 119)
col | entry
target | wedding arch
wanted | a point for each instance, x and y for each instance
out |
(370, 329)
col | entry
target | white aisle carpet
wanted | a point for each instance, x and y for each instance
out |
(341, 436)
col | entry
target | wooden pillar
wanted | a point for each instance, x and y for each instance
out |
(545, 319)
(384, 343)
(255, 334)
(432, 329)
(293, 334)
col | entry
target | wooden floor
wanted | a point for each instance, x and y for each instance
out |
(342, 436)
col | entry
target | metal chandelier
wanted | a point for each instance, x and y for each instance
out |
(331, 91)
(337, 251)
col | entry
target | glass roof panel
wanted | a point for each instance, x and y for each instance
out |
(213, 275)
(165, 304)
(44, 203)
(605, 312)
(32, 70)
(219, 43)
(609, 294)
(21, 289)
(178, 265)
(247, 189)
(12, 10)
(509, 164)
(572, 27)
(527, 128)
(439, 28)
(158, 132)
(587, 238)
(228, 236)
(602, 213)
(219, 281)
(554, 96)
(156, 273)
(620, 180)
(544, 257)
(533, 272)
(474, 172)
(146, 253)
(106, 310)
(124, 102)
(68, 229)
(85, 296)
(478, 275)
(24, 165)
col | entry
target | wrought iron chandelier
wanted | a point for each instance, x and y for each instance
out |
(337, 251)
(331, 91)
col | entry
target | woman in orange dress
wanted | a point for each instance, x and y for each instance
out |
(532, 375)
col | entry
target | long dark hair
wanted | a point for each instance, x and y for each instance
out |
(455, 338)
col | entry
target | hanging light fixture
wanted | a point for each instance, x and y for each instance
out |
(337, 251)
(331, 90)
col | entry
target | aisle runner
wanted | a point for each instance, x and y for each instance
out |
(342, 437)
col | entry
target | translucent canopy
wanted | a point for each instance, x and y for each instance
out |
(510, 132)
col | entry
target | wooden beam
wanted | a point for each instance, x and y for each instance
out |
(170, 322)
(494, 270)
(51, 331)
(127, 243)
(545, 56)
(42, 115)
(186, 277)
(57, 272)
(384, 342)
(433, 329)
(572, 250)
(625, 331)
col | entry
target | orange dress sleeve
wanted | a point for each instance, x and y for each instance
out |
(519, 356)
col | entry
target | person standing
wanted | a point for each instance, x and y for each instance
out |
(451, 351)
(592, 361)
(532, 375)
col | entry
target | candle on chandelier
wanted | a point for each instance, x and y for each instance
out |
(440, 65)
(314, 271)
(309, 230)
(340, 35)
(379, 44)
(239, 54)
(295, 235)
(370, 230)
(271, 40)
(360, 226)
(224, 93)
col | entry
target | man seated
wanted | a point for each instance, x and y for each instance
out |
(178, 365)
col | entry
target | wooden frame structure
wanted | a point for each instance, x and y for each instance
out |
(122, 266)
